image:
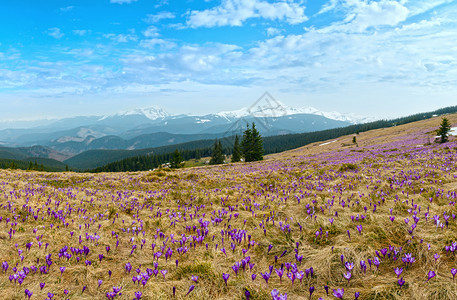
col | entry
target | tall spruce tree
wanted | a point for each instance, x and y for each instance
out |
(217, 156)
(444, 129)
(252, 144)
(246, 144)
(236, 154)
(176, 161)
(257, 144)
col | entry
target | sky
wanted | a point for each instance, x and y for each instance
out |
(384, 58)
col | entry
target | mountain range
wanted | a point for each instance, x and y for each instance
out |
(153, 127)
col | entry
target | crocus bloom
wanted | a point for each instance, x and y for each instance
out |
(431, 274)
(266, 276)
(398, 271)
(225, 277)
(191, 288)
(436, 256)
(138, 295)
(338, 293)
(247, 294)
(401, 282)
(280, 272)
(453, 272)
(348, 276)
(276, 296)
(311, 291)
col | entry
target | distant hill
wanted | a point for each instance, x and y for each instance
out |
(32, 163)
(274, 144)
(146, 128)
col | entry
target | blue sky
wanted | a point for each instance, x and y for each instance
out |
(92, 57)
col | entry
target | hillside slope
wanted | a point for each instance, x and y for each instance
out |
(372, 220)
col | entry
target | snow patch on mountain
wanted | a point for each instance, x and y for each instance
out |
(81, 136)
(152, 113)
(281, 109)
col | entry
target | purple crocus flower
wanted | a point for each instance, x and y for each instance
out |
(247, 294)
(398, 271)
(5, 266)
(431, 274)
(311, 291)
(277, 296)
(42, 284)
(138, 295)
(436, 256)
(339, 293)
(225, 277)
(348, 276)
(453, 272)
(128, 267)
(191, 288)
(359, 228)
(266, 276)
(401, 282)
(280, 272)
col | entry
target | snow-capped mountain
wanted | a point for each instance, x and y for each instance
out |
(280, 110)
(143, 127)
(152, 113)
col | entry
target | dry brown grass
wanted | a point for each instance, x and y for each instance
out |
(341, 173)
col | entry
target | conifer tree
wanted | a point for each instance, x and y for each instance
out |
(176, 161)
(252, 144)
(444, 129)
(246, 144)
(236, 155)
(257, 144)
(217, 156)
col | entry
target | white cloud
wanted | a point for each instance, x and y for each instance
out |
(80, 32)
(421, 6)
(160, 16)
(273, 31)
(66, 9)
(151, 31)
(152, 43)
(361, 15)
(384, 12)
(236, 12)
(121, 38)
(329, 6)
(122, 1)
(55, 32)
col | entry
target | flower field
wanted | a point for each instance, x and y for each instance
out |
(332, 220)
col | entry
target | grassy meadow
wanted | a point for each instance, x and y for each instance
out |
(375, 219)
